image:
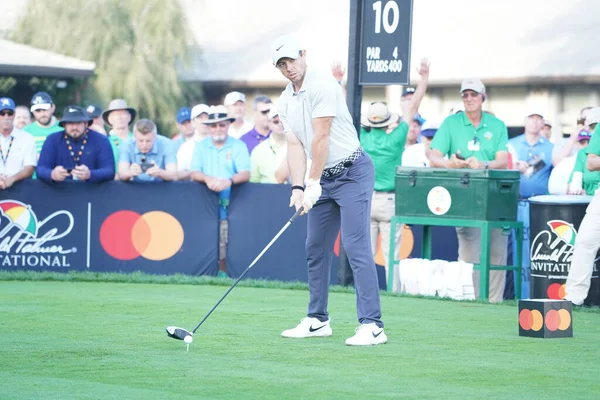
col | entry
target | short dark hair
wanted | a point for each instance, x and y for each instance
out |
(260, 99)
(145, 126)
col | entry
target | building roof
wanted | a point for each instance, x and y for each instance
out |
(19, 59)
(510, 42)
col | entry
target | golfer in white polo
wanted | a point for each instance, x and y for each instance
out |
(338, 191)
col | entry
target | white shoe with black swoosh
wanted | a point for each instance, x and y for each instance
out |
(309, 327)
(367, 335)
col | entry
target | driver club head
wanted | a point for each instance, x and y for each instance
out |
(178, 333)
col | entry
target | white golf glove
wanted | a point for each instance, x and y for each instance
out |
(297, 198)
(312, 193)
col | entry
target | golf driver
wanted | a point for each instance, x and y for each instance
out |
(183, 334)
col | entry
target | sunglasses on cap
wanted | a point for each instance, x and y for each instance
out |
(265, 112)
(7, 112)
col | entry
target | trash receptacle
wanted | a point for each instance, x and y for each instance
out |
(553, 224)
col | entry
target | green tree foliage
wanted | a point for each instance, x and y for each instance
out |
(136, 45)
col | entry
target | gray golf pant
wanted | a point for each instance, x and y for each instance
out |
(346, 200)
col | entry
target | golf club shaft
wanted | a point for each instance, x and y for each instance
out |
(250, 266)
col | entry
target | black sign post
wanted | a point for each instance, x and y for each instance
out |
(385, 42)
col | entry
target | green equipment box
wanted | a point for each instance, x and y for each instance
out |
(485, 195)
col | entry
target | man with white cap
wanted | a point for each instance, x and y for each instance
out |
(44, 123)
(221, 162)
(587, 241)
(17, 148)
(534, 156)
(474, 139)
(338, 191)
(268, 160)
(236, 108)
(119, 117)
(199, 114)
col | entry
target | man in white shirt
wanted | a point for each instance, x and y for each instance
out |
(417, 155)
(199, 114)
(338, 192)
(268, 160)
(18, 156)
(236, 107)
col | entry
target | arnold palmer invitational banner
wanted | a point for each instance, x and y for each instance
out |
(164, 228)
(160, 228)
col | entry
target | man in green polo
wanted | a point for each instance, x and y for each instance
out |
(383, 139)
(475, 139)
(587, 241)
(119, 117)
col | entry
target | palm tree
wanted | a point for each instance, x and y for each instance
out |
(136, 45)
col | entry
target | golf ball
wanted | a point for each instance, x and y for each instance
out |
(188, 339)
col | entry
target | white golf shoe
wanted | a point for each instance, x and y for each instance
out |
(309, 327)
(367, 335)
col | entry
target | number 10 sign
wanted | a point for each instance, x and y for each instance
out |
(385, 42)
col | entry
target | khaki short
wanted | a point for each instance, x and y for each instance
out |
(223, 233)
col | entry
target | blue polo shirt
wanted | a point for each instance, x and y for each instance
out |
(162, 153)
(537, 184)
(222, 162)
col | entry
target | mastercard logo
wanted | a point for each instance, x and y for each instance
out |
(554, 320)
(127, 235)
(407, 243)
(556, 291)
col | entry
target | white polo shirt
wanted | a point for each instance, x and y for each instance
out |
(320, 96)
(22, 152)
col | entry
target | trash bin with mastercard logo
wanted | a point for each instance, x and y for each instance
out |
(554, 221)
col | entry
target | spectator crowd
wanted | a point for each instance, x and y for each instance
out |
(219, 147)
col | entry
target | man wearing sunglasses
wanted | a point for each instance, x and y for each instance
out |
(17, 148)
(220, 162)
(261, 131)
(474, 139)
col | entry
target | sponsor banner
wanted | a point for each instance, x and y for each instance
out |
(160, 228)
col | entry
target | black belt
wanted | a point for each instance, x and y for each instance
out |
(344, 164)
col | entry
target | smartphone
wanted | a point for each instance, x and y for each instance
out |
(69, 170)
(145, 167)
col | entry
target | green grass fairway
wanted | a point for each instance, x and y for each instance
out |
(106, 340)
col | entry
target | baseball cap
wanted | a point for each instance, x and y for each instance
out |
(473, 84)
(548, 122)
(6, 103)
(593, 116)
(183, 115)
(429, 128)
(534, 111)
(93, 110)
(273, 112)
(285, 46)
(584, 135)
(408, 90)
(199, 109)
(41, 101)
(234, 97)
